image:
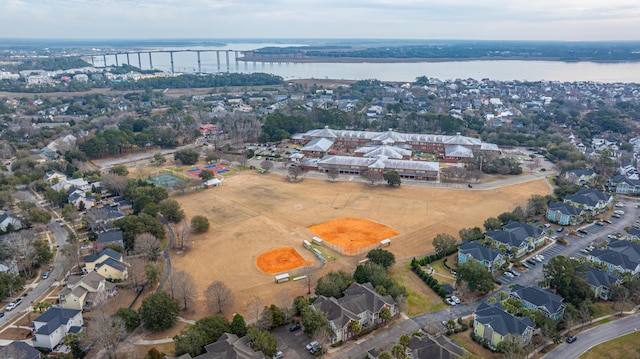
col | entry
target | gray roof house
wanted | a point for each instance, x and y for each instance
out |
(52, 326)
(580, 176)
(621, 256)
(492, 323)
(360, 303)
(6, 220)
(543, 300)
(433, 347)
(600, 281)
(317, 147)
(19, 350)
(589, 199)
(111, 237)
(564, 214)
(519, 238)
(491, 258)
(228, 346)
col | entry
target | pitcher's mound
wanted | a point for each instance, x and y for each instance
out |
(352, 234)
(280, 260)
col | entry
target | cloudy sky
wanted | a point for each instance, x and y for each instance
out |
(406, 19)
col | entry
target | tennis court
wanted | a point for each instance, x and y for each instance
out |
(165, 180)
(217, 169)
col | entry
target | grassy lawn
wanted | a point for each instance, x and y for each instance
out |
(601, 309)
(465, 341)
(624, 347)
(442, 274)
(420, 298)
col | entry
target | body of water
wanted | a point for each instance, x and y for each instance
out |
(504, 70)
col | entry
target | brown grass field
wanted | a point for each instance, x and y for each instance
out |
(252, 214)
(280, 260)
(351, 234)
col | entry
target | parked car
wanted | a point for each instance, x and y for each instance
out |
(312, 344)
(515, 273)
(469, 185)
(599, 224)
(1, 314)
(294, 327)
(524, 264)
(571, 339)
(590, 248)
(560, 229)
(278, 355)
(11, 306)
(606, 221)
(531, 261)
(450, 301)
(508, 274)
(456, 299)
(18, 301)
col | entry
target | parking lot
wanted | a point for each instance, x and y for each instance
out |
(292, 344)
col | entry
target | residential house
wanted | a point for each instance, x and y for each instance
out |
(580, 177)
(490, 258)
(82, 293)
(543, 300)
(108, 263)
(54, 324)
(19, 350)
(633, 233)
(100, 219)
(360, 303)
(9, 222)
(492, 323)
(114, 237)
(590, 200)
(228, 346)
(518, 238)
(623, 185)
(600, 282)
(52, 177)
(80, 199)
(78, 183)
(428, 346)
(620, 256)
(564, 214)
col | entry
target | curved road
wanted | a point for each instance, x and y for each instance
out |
(592, 337)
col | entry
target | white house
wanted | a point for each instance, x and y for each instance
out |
(54, 324)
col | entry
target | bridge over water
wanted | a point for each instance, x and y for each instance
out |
(125, 57)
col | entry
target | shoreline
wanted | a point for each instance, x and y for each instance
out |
(389, 60)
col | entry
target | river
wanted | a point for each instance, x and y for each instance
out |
(504, 70)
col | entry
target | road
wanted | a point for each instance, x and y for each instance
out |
(597, 335)
(39, 287)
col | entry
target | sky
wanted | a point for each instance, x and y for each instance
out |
(581, 20)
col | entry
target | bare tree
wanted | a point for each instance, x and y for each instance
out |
(266, 165)
(372, 176)
(137, 273)
(148, 245)
(333, 174)
(105, 332)
(181, 230)
(218, 296)
(71, 255)
(114, 183)
(295, 172)
(285, 302)
(254, 307)
(183, 287)
(22, 250)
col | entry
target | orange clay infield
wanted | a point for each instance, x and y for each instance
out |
(280, 260)
(352, 234)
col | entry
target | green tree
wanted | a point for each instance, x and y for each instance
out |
(206, 330)
(333, 284)
(492, 223)
(41, 307)
(37, 215)
(120, 170)
(382, 257)
(10, 283)
(564, 275)
(512, 347)
(186, 157)
(170, 209)
(159, 312)
(393, 178)
(355, 327)
(158, 159)
(153, 353)
(42, 252)
(313, 320)
(398, 352)
(130, 317)
(470, 234)
(199, 224)
(133, 225)
(404, 340)
(384, 355)
(262, 340)
(443, 243)
(206, 175)
(476, 275)
(238, 326)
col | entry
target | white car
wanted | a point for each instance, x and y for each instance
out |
(456, 299)
(508, 274)
(313, 344)
(11, 307)
(450, 301)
